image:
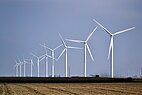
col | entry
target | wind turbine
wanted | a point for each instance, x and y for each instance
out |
(111, 42)
(65, 50)
(52, 56)
(24, 63)
(16, 66)
(30, 61)
(20, 63)
(39, 58)
(46, 63)
(86, 47)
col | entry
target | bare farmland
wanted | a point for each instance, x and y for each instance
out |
(71, 89)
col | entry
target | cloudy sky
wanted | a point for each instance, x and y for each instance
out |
(26, 24)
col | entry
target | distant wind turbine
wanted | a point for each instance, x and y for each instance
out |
(16, 68)
(46, 60)
(24, 63)
(65, 50)
(86, 47)
(111, 43)
(46, 63)
(52, 56)
(39, 58)
(30, 61)
(20, 63)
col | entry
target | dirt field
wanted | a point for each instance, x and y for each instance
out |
(71, 89)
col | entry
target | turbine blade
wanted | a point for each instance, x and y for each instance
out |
(32, 62)
(27, 59)
(74, 47)
(41, 58)
(78, 41)
(16, 63)
(34, 55)
(90, 52)
(48, 56)
(103, 27)
(58, 47)
(62, 39)
(61, 54)
(91, 33)
(110, 47)
(19, 60)
(124, 30)
(54, 59)
(26, 62)
(45, 47)
(23, 59)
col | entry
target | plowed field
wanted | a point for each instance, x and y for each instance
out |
(71, 89)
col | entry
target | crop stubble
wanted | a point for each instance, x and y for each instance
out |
(71, 89)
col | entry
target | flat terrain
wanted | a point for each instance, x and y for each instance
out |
(70, 88)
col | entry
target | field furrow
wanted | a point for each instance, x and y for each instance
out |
(32, 90)
(1, 89)
(6, 90)
(78, 90)
(121, 88)
(63, 90)
(53, 90)
(102, 89)
(71, 89)
(20, 90)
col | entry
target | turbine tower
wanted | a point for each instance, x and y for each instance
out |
(111, 43)
(24, 63)
(52, 56)
(65, 50)
(46, 63)
(86, 47)
(39, 58)
(46, 60)
(30, 61)
(16, 68)
(20, 63)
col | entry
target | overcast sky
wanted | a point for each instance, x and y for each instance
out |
(24, 24)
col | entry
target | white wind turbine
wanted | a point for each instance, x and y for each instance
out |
(46, 63)
(39, 58)
(16, 66)
(86, 47)
(20, 63)
(30, 61)
(52, 56)
(24, 63)
(65, 50)
(111, 42)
